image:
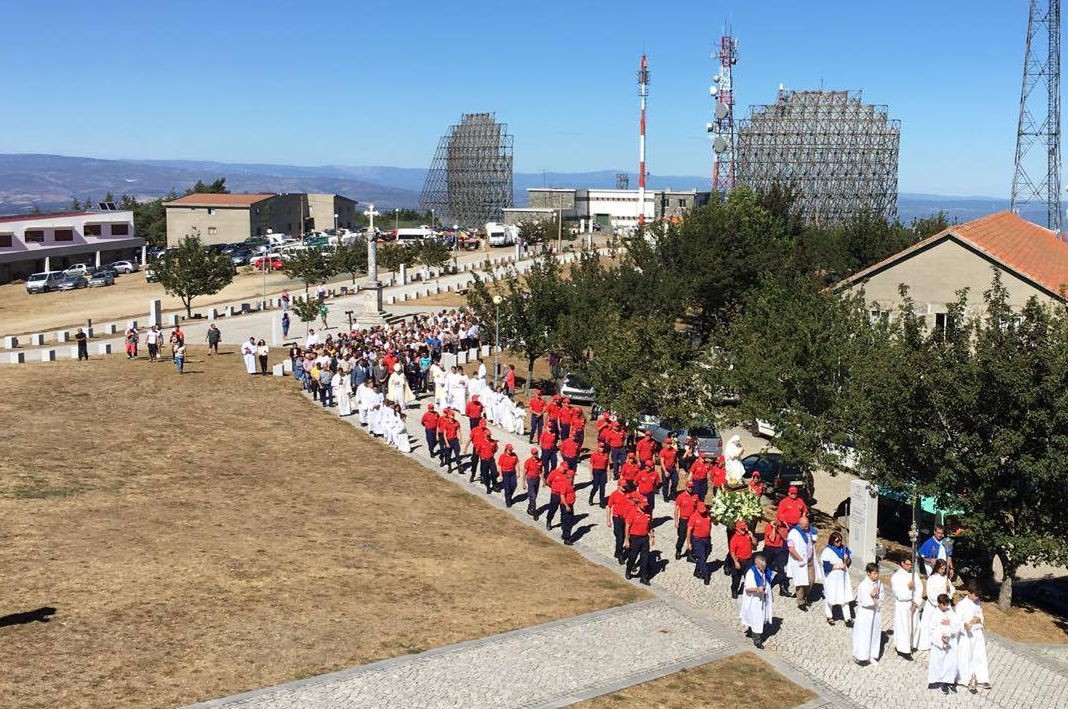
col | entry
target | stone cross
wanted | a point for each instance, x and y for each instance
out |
(372, 246)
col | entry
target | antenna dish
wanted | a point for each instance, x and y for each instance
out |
(713, 90)
(720, 144)
(721, 110)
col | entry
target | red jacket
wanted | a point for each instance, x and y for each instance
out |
(474, 409)
(430, 420)
(547, 440)
(569, 448)
(599, 460)
(508, 462)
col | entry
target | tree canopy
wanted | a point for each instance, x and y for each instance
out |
(190, 270)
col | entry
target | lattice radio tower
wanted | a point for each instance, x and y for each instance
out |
(721, 127)
(643, 95)
(1039, 128)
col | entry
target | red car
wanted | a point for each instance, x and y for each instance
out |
(274, 262)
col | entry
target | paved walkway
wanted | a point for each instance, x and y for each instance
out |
(804, 647)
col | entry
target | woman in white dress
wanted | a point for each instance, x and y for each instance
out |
(937, 584)
(942, 629)
(837, 589)
(342, 393)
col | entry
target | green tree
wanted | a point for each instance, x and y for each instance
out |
(351, 258)
(431, 253)
(190, 270)
(391, 255)
(307, 310)
(75, 205)
(216, 187)
(535, 231)
(309, 266)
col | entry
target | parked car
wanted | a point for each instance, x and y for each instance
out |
(274, 262)
(577, 387)
(103, 277)
(240, 256)
(708, 439)
(43, 282)
(778, 475)
(764, 429)
(78, 268)
(72, 281)
(124, 266)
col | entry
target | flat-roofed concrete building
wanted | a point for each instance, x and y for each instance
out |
(231, 218)
(611, 208)
(31, 243)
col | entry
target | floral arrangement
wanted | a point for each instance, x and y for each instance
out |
(732, 505)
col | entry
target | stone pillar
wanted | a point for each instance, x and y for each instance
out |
(48, 263)
(278, 370)
(863, 519)
(111, 328)
(230, 311)
(172, 319)
(98, 259)
(144, 254)
(62, 336)
(37, 339)
(404, 274)
(213, 313)
(155, 312)
(48, 355)
(276, 330)
(11, 342)
(103, 348)
(74, 352)
(16, 357)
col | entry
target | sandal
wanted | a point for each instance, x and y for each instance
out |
(830, 621)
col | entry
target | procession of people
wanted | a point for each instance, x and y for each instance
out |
(379, 374)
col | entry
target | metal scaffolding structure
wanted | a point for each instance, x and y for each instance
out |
(1036, 179)
(838, 154)
(470, 180)
(721, 127)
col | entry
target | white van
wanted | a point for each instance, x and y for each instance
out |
(43, 282)
(414, 235)
(501, 234)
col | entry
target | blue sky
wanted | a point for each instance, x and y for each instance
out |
(370, 83)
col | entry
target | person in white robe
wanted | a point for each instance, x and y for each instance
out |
(508, 415)
(377, 417)
(799, 544)
(365, 399)
(907, 588)
(972, 666)
(397, 389)
(482, 371)
(340, 383)
(400, 435)
(438, 376)
(389, 424)
(458, 390)
(868, 626)
(475, 387)
(755, 608)
(937, 584)
(520, 419)
(942, 629)
(837, 588)
(248, 352)
(732, 460)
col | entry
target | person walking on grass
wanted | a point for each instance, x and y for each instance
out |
(83, 344)
(179, 357)
(152, 340)
(132, 338)
(214, 336)
(324, 311)
(248, 353)
(262, 351)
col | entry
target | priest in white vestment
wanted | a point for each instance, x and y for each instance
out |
(248, 352)
(366, 396)
(868, 626)
(799, 544)
(397, 389)
(907, 588)
(340, 384)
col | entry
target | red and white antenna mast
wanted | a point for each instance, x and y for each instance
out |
(721, 127)
(643, 93)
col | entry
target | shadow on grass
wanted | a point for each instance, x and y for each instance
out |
(41, 615)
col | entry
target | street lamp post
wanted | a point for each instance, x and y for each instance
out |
(497, 300)
(336, 216)
(264, 258)
(396, 220)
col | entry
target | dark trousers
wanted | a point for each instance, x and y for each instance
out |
(548, 461)
(670, 481)
(473, 423)
(153, 351)
(452, 455)
(474, 466)
(431, 440)
(776, 557)
(618, 457)
(83, 351)
(263, 364)
(554, 426)
(565, 430)
(327, 394)
(554, 505)
(600, 479)
(619, 529)
(738, 575)
(701, 546)
(580, 436)
(567, 521)
(700, 488)
(508, 482)
(489, 473)
(650, 497)
(571, 462)
(536, 423)
(532, 496)
(680, 539)
(639, 556)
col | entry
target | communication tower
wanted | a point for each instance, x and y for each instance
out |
(643, 94)
(721, 127)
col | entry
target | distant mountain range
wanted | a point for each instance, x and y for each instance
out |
(50, 181)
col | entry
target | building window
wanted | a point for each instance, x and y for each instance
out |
(120, 229)
(944, 322)
(682, 204)
(92, 230)
(212, 230)
(63, 235)
(211, 210)
(34, 236)
(5, 241)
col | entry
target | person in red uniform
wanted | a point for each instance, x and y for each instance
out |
(450, 451)
(741, 553)
(603, 426)
(487, 449)
(619, 504)
(616, 438)
(474, 411)
(532, 481)
(645, 448)
(756, 485)
(569, 451)
(566, 485)
(791, 508)
(669, 469)
(699, 476)
(648, 480)
(537, 415)
(718, 475)
(547, 441)
(775, 552)
(599, 473)
(552, 415)
(507, 464)
(629, 471)
(430, 428)
(638, 539)
(478, 434)
(509, 381)
(685, 503)
(578, 424)
(552, 481)
(564, 417)
(699, 540)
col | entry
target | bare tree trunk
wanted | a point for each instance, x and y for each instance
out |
(530, 371)
(1008, 574)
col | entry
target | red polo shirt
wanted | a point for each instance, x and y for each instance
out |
(532, 468)
(567, 492)
(640, 522)
(474, 409)
(628, 471)
(669, 457)
(547, 440)
(791, 510)
(450, 427)
(741, 546)
(616, 437)
(647, 481)
(644, 449)
(508, 462)
(686, 502)
(701, 526)
(618, 503)
(599, 460)
(569, 448)
(699, 470)
(430, 420)
(537, 405)
(486, 449)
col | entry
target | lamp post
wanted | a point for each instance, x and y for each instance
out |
(396, 221)
(336, 216)
(497, 300)
(263, 265)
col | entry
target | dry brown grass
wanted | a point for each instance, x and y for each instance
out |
(742, 679)
(1026, 624)
(213, 533)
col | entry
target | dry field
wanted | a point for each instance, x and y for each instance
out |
(207, 534)
(740, 680)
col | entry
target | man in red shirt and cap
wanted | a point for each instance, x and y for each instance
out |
(547, 441)
(552, 481)
(552, 415)
(775, 552)
(532, 481)
(741, 554)
(566, 486)
(648, 480)
(791, 508)
(756, 485)
(450, 451)
(699, 540)
(645, 448)
(563, 418)
(685, 503)
(487, 449)
(599, 473)
(430, 428)
(718, 474)
(669, 469)
(508, 463)
(629, 471)
(537, 415)
(616, 438)
(619, 504)
(478, 434)
(569, 451)
(578, 424)
(474, 411)
(699, 476)
(638, 539)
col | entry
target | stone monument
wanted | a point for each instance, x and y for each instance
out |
(863, 520)
(372, 314)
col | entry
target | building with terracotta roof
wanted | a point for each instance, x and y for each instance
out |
(231, 218)
(31, 243)
(1032, 260)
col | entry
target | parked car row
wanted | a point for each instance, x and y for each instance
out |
(79, 275)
